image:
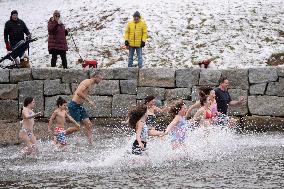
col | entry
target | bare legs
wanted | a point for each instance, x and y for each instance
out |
(30, 141)
(88, 129)
(71, 130)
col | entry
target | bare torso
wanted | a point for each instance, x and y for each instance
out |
(84, 87)
(28, 123)
(60, 118)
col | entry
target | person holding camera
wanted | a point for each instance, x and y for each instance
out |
(57, 43)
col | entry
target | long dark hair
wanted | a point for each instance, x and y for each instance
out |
(27, 101)
(203, 98)
(149, 99)
(175, 108)
(205, 90)
(135, 114)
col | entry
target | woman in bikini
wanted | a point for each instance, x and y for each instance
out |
(207, 91)
(26, 133)
(204, 114)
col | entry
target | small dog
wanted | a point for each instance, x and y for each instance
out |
(206, 63)
(87, 63)
(25, 62)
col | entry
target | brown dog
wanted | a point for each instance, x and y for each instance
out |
(25, 62)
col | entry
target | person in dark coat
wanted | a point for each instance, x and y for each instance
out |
(14, 31)
(57, 43)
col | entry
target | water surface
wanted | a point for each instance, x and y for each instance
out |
(222, 159)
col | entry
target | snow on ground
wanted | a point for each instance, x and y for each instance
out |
(243, 33)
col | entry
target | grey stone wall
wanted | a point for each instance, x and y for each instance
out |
(124, 87)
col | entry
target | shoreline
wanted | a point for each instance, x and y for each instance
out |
(9, 129)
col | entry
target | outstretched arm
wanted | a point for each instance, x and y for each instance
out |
(26, 115)
(192, 107)
(153, 132)
(237, 102)
(162, 110)
(72, 120)
(125, 121)
(172, 124)
(199, 115)
(51, 120)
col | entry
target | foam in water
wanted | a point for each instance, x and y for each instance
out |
(115, 152)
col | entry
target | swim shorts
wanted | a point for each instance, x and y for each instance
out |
(77, 111)
(60, 135)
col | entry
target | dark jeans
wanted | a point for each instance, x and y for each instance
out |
(139, 55)
(63, 58)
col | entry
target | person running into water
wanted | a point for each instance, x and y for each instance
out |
(223, 97)
(137, 121)
(152, 109)
(223, 100)
(207, 91)
(218, 118)
(59, 116)
(178, 127)
(81, 95)
(213, 106)
(26, 133)
(204, 114)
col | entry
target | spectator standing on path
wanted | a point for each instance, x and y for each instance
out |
(135, 38)
(57, 43)
(14, 31)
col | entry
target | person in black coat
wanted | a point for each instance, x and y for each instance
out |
(14, 31)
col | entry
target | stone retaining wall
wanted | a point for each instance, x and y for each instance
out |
(124, 87)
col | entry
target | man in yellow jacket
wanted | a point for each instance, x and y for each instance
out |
(135, 38)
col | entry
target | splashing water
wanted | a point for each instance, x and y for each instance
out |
(217, 157)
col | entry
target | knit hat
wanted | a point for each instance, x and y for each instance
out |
(136, 14)
(56, 12)
(14, 12)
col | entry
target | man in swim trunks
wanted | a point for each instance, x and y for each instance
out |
(81, 95)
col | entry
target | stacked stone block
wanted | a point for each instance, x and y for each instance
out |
(122, 88)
